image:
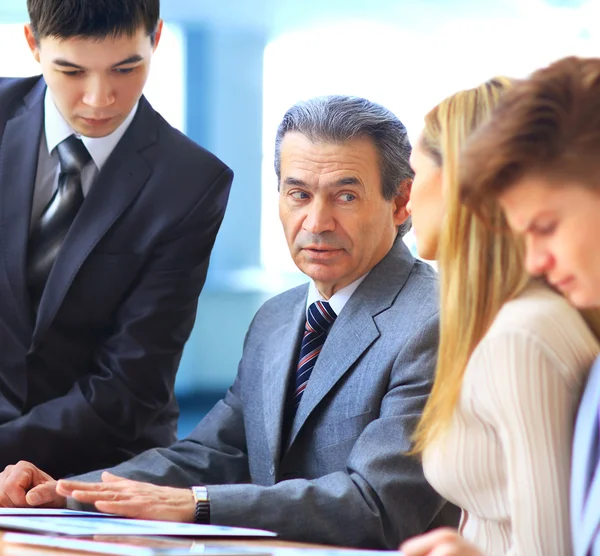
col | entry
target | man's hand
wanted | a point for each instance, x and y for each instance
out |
(441, 542)
(24, 485)
(115, 495)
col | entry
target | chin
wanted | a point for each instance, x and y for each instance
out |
(426, 252)
(582, 300)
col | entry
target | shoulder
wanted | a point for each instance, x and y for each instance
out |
(402, 282)
(15, 89)
(17, 84)
(422, 276)
(543, 314)
(180, 153)
(540, 324)
(278, 309)
(418, 298)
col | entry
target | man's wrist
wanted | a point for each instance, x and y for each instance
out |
(202, 513)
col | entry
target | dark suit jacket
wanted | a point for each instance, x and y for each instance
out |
(89, 381)
(343, 476)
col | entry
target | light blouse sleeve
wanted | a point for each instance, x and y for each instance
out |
(531, 405)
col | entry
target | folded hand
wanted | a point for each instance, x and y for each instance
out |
(24, 485)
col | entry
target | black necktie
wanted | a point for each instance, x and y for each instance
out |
(49, 231)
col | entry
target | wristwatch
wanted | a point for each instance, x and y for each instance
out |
(202, 513)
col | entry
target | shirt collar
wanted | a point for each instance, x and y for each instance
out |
(338, 299)
(57, 130)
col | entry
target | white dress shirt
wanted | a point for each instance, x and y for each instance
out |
(56, 130)
(338, 299)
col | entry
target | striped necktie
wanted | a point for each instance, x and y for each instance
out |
(319, 318)
(49, 231)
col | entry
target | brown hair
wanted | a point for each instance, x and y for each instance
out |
(546, 125)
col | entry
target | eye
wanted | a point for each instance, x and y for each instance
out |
(72, 73)
(544, 229)
(347, 197)
(124, 71)
(299, 195)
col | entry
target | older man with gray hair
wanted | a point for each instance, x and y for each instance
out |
(311, 439)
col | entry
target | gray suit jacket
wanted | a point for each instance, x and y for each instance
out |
(585, 480)
(342, 476)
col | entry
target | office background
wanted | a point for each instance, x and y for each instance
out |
(226, 71)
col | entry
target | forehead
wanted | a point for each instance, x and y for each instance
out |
(534, 197)
(418, 153)
(524, 200)
(87, 51)
(356, 157)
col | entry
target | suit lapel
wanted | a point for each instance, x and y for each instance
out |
(354, 330)
(280, 363)
(18, 166)
(119, 182)
(585, 502)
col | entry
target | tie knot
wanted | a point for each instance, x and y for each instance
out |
(73, 155)
(319, 317)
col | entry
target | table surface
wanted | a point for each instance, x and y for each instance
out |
(14, 549)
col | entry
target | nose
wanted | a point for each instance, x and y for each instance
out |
(538, 259)
(319, 218)
(98, 93)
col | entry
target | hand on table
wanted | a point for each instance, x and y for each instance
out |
(115, 495)
(441, 542)
(23, 485)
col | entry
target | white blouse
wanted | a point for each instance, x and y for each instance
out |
(505, 458)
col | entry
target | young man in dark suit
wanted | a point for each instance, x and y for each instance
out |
(107, 219)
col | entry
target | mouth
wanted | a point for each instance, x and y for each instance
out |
(97, 121)
(563, 284)
(321, 253)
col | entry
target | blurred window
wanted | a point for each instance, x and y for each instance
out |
(406, 70)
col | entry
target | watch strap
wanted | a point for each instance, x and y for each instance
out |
(202, 513)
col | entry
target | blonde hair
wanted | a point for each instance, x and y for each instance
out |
(481, 263)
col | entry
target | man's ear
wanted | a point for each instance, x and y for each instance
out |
(400, 211)
(157, 34)
(32, 42)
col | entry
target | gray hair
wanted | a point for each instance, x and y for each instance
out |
(337, 119)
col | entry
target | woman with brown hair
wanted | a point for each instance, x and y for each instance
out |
(539, 156)
(495, 436)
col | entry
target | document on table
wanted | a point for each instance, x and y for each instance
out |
(55, 512)
(90, 526)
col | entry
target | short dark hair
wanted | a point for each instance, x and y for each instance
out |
(547, 125)
(338, 119)
(65, 19)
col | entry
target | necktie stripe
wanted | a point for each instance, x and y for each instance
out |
(325, 311)
(319, 318)
(309, 356)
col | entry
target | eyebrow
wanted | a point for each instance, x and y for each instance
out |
(342, 182)
(66, 64)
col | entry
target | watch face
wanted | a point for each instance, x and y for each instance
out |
(200, 494)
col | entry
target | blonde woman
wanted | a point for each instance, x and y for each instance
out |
(495, 436)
